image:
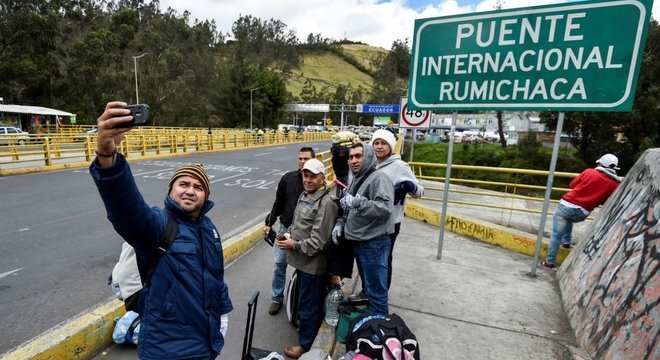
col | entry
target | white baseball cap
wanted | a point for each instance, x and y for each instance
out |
(609, 161)
(315, 166)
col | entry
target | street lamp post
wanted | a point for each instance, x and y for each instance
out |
(252, 90)
(137, 97)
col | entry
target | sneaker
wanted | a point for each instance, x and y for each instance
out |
(548, 265)
(357, 297)
(566, 246)
(274, 308)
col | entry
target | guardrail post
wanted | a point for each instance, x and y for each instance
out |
(47, 159)
(123, 146)
(143, 145)
(14, 151)
(224, 140)
(185, 143)
(158, 147)
(210, 142)
(87, 148)
(173, 144)
(235, 140)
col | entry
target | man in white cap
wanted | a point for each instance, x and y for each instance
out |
(305, 245)
(589, 190)
(405, 182)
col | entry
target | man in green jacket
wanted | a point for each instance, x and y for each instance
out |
(305, 243)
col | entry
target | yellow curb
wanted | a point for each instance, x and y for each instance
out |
(80, 338)
(508, 238)
(91, 332)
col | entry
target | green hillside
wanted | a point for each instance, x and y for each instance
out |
(327, 69)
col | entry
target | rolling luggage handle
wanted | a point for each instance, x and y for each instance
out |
(249, 352)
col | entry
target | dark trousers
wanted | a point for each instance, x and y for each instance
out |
(393, 236)
(310, 307)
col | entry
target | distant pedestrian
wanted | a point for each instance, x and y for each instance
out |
(403, 179)
(367, 223)
(305, 245)
(185, 301)
(286, 197)
(589, 190)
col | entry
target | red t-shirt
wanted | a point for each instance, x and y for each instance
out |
(591, 189)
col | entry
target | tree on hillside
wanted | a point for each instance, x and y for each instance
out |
(390, 81)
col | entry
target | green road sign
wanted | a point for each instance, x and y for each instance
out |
(580, 56)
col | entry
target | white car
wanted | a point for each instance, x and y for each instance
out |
(13, 135)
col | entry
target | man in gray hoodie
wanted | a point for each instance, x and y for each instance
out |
(403, 178)
(367, 223)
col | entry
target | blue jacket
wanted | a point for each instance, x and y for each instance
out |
(181, 308)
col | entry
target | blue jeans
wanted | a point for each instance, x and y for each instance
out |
(562, 227)
(371, 258)
(279, 273)
(310, 307)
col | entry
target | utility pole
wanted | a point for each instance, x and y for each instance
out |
(251, 90)
(137, 96)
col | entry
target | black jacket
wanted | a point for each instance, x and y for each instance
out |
(286, 198)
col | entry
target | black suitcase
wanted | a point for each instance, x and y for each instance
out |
(249, 352)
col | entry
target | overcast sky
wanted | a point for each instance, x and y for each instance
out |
(373, 22)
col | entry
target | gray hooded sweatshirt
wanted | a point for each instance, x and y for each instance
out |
(373, 217)
(399, 171)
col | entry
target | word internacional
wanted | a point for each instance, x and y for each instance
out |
(577, 56)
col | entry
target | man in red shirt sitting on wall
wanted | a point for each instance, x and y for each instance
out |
(588, 190)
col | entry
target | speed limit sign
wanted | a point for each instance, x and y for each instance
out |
(413, 119)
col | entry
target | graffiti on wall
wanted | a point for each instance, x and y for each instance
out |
(617, 313)
(475, 230)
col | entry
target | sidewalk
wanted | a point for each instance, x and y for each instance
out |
(477, 302)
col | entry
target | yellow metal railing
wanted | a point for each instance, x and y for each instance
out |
(506, 191)
(71, 145)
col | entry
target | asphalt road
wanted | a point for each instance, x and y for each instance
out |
(58, 248)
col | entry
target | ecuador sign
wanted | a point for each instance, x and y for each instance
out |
(572, 56)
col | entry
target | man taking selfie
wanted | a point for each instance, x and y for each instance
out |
(185, 300)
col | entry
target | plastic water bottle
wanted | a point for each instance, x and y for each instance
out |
(332, 304)
(121, 333)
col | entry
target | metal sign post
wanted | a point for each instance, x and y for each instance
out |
(445, 193)
(548, 192)
(553, 57)
(412, 145)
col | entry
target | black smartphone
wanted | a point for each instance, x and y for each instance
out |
(140, 113)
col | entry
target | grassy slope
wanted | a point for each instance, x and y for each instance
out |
(326, 70)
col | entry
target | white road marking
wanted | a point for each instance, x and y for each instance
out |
(24, 229)
(268, 153)
(155, 171)
(10, 272)
(228, 177)
(280, 147)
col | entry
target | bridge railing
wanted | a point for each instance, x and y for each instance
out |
(70, 146)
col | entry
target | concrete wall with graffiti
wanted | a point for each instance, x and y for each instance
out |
(610, 282)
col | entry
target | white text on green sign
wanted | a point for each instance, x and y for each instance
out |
(579, 56)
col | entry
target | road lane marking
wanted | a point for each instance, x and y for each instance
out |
(10, 272)
(228, 177)
(268, 153)
(149, 172)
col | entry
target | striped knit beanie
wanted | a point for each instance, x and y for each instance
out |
(197, 171)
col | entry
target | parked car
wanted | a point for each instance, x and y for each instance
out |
(10, 135)
(86, 134)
